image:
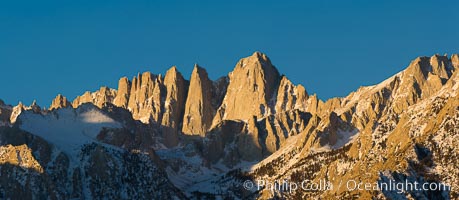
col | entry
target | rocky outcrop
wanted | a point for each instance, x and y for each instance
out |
(34, 107)
(122, 96)
(20, 155)
(16, 112)
(99, 98)
(146, 97)
(290, 97)
(254, 80)
(455, 61)
(85, 98)
(199, 109)
(423, 77)
(174, 105)
(18, 109)
(59, 102)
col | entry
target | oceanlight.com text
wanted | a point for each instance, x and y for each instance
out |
(350, 185)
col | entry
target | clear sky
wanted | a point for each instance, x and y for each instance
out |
(330, 47)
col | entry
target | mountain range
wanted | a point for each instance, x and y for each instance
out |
(166, 137)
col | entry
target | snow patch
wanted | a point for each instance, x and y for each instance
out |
(68, 129)
(345, 137)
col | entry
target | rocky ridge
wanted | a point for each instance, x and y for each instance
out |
(198, 106)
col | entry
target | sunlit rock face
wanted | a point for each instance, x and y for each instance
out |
(254, 80)
(199, 109)
(59, 102)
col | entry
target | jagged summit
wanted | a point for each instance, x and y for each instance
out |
(435, 65)
(176, 88)
(199, 109)
(254, 79)
(261, 57)
(122, 97)
(198, 70)
(149, 96)
(256, 60)
(59, 102)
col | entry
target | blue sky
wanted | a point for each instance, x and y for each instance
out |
(331, 47)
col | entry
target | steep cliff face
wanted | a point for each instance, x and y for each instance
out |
(254, 80)
(122, 96)
(290, 97)
(421, 79)
(199, 109)
(174, 105)
(145, 100)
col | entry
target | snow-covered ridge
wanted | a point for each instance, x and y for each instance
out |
(67, 128)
